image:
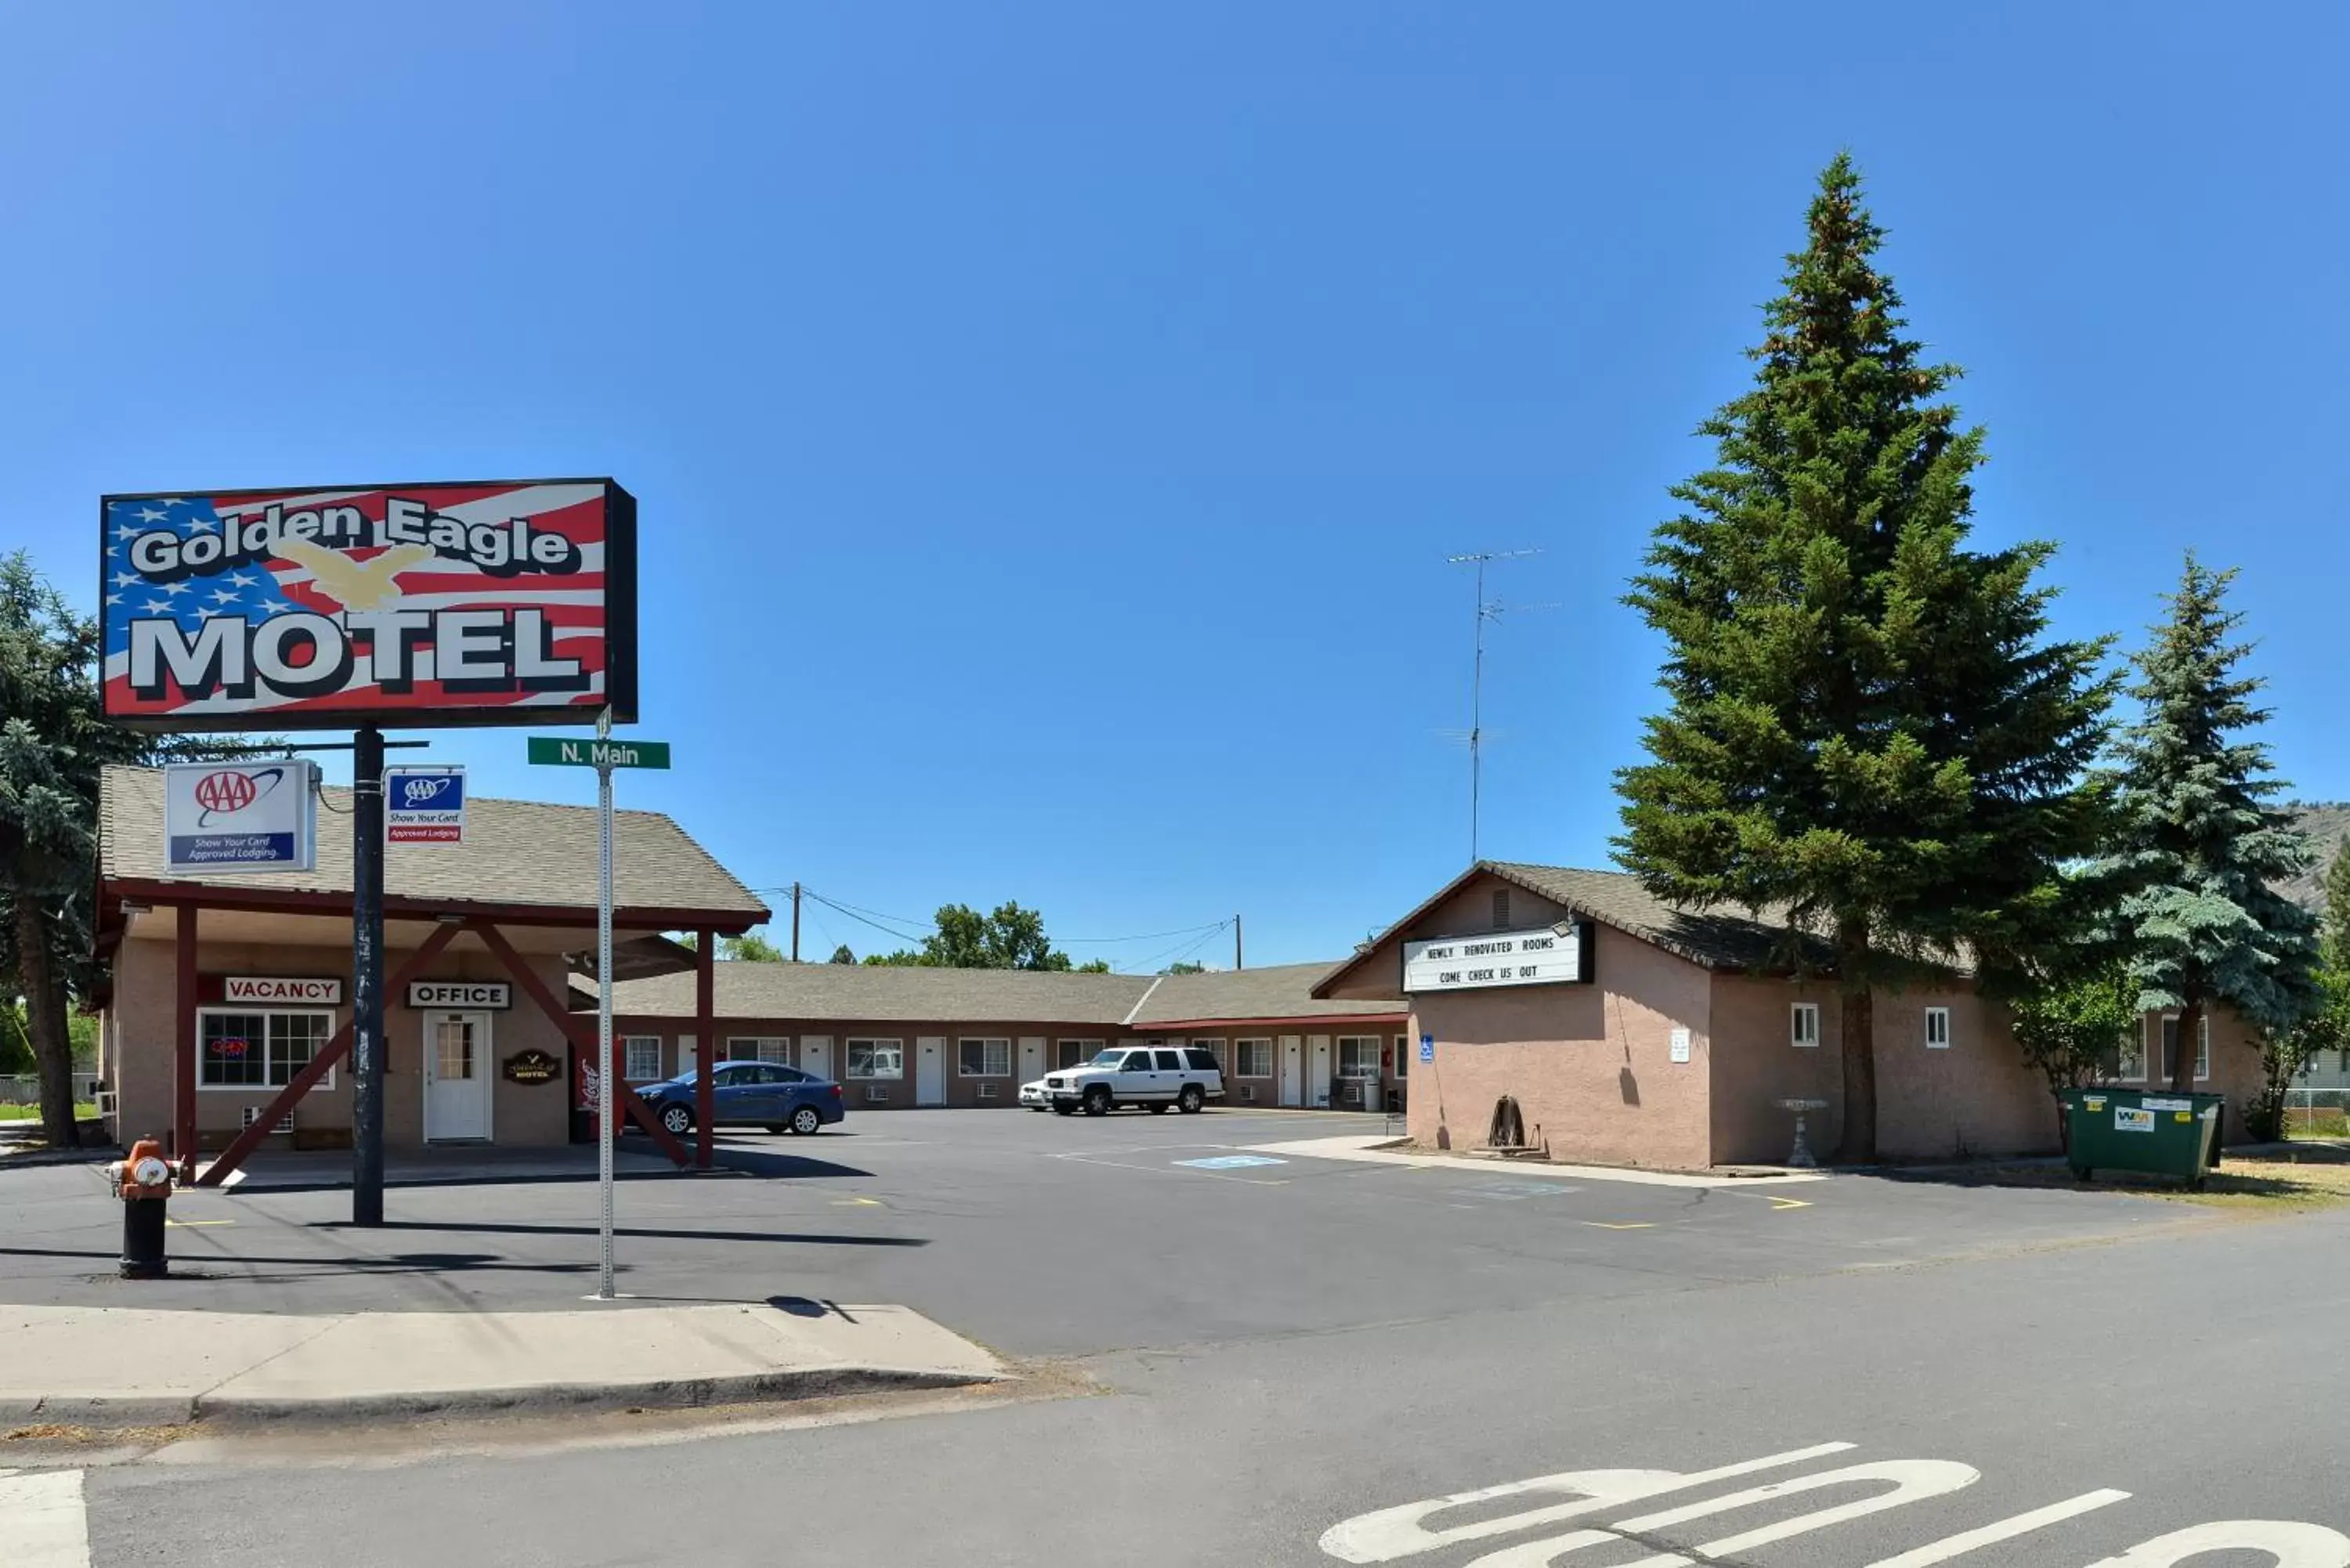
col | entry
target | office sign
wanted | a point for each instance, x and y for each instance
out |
(1540, 957)
(424, 804)
(465, 994)
(313, 990)
(504, 602)
(241, 816)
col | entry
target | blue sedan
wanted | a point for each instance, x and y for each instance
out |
(750, 1093)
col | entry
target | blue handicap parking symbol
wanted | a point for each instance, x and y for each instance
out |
(1428, 1048)
(1231, 1161)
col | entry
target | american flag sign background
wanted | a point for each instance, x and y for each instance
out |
(422, 605)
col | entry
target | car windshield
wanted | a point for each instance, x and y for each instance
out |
(1107, 1058)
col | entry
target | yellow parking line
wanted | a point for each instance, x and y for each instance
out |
(191, 1224)
(1781, 1205)
(1636, 1225)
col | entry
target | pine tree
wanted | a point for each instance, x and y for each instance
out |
(2201, 845)
(1869, 731)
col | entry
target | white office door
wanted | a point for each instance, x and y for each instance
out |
(1292, 1078)
(931, 1071)
(456, 1077)
(815, 1054)
(1317, 1070)
(1032, 1058)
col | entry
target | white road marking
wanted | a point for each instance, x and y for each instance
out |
(1392, 1533)
(42, 1521)
(1958, 1546)
(1389, 1533)
(2293, 1545)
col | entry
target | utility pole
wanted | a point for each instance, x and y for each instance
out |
(795, 922)
(368, 1053)
(1236, 943)
(1486, 610)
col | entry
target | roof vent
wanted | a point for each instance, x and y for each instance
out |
(1500, 908)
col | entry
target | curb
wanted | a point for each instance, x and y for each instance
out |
(223, 1410)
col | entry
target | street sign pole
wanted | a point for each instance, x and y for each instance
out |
(604, 999)
(367, 977)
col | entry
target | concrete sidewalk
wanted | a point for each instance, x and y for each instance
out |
(117, 1366)
(1374, 1151)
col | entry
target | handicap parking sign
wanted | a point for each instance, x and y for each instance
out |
(1428, 1048)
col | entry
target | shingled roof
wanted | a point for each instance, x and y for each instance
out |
(891, 994)
(515, 853)
(1715, 938)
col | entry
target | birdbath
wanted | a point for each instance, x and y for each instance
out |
(1800, 1156)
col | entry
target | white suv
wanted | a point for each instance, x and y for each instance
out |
(1184, 1076)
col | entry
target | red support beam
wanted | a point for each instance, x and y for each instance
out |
(319, 1066)
(705, 1029)
(579, 1031)
(183, 1046)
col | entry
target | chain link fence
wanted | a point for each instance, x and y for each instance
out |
(2317, 1113)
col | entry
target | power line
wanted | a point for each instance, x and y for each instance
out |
(1180, 951)
(858, 911)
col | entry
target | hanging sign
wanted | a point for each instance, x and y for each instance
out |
(460, 993)
(1540, 957)
(241, 816)
(424, 804)
(319, 991)
(504, 602)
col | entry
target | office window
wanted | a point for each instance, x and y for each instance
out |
(1938, 1029)
(876, 1058)
(984, 1058)
(2171, 1046)
(1358, 1055)
(641, 1058)
(1214, 1048)
(258, 1049)
(1256, 1059)
(1403, 1055)
(777, 1049)
(1069, 1053)
(1804, 1024)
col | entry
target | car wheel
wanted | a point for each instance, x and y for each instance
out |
(805, 1121)
(1097, 1101)
(1190, 1101)
(678, 1119)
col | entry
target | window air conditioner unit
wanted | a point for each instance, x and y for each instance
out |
(876, 1096)
(987, 1091)
(252, 1115)
(1248, 1091)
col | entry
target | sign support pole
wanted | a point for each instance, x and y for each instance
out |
(604, 1005)
(367, 977)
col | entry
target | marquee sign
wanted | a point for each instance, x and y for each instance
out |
(420, 605)
(241, 816)
(1540, 957)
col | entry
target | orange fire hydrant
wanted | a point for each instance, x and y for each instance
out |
(143, 1183)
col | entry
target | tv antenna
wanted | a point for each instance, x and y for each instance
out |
(1487, 610)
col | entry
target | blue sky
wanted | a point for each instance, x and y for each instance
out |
(1050, 421)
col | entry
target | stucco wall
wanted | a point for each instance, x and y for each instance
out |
(141, 1020)
(1590, 1064)
(1755, 1066)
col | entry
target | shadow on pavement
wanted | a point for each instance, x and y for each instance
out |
(515, 1227)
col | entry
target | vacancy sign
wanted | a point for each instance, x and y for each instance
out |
(241, 816)
(424, 803)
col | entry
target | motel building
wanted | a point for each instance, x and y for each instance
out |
(225, 1021)
(1633, 1033)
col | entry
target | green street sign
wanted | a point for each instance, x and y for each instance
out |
(590, 752)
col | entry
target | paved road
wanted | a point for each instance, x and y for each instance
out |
(1291, 1348)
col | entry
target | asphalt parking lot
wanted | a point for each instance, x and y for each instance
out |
(1038, 1235)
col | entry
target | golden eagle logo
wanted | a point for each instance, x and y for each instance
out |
(355, 585)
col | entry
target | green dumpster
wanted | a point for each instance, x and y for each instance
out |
(2142, 1130)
